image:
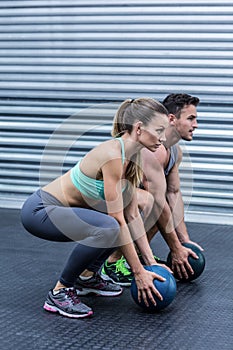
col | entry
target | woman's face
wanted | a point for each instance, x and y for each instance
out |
(152, 135)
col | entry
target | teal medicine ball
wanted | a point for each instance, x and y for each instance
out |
(197, 265)
(167, 289)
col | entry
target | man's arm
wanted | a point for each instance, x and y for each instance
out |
(155, 183)
(176, 204)
(175, 200)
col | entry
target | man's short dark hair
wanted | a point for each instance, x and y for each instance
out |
(175, 102)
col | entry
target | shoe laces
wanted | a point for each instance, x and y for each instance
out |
(120, 267)
(71, 293)
(155, 256)
(99, 279)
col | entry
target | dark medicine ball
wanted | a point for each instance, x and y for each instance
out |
(167, 289)
(197, 265)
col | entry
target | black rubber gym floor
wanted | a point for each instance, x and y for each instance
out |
(200, 317)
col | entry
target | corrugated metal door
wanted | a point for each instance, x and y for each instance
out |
(58, 57)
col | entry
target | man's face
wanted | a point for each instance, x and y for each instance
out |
(187, 123)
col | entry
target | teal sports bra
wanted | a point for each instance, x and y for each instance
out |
(88, 186)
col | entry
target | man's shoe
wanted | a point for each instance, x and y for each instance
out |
(117, 272)
(67, 303)
(98, 286)
(157, 259)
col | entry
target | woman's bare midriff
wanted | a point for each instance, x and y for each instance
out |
(63, 190)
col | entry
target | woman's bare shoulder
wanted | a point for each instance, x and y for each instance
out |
(100, 155)
(108, 150)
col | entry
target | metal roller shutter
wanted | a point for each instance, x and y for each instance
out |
(59, 57)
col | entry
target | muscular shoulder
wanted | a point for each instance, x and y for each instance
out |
(150, 159)
(153, 171)
(159, 157)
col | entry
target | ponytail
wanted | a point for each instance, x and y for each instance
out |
(130, 111)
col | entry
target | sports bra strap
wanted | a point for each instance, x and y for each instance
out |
(122, 149)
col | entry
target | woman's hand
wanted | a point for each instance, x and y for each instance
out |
(146, 288)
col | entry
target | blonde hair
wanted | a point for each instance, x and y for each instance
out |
(142, 109)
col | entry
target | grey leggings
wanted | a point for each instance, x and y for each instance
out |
(96, 233)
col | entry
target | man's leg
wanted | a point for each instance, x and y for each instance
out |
(115, 267)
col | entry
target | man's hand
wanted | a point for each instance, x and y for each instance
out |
(196, 244)
(180, 264)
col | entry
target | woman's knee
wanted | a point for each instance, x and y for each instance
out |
(111, 223)
(107, 235)
(112, 227)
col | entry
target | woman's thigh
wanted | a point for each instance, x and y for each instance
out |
(49, 220)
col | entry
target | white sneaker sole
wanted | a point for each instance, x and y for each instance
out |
(52, 308)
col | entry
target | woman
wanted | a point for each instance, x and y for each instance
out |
(95, 205)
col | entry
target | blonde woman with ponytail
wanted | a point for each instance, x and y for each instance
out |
(94, 204)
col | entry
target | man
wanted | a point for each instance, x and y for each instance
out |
(161, 179)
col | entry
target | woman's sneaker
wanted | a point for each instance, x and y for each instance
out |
(66, 303)
(117, 272)
(96, 285)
